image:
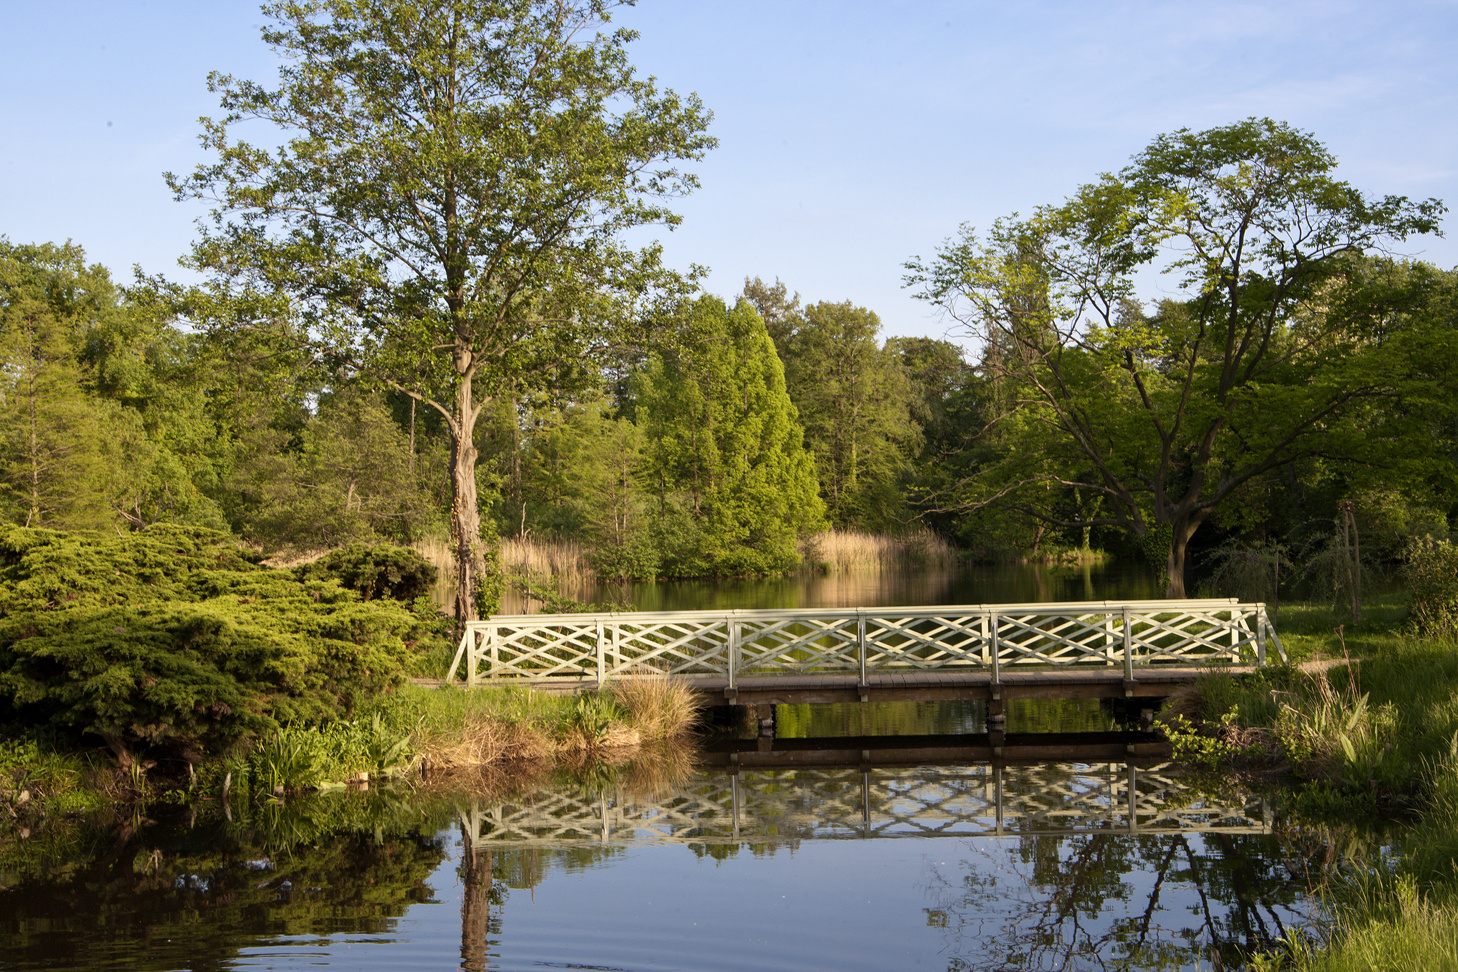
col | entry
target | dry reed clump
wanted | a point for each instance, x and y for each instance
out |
(657, 707)
(483, 741)
(844, 550)
(545, 559)
(521, 556)
(591, 726)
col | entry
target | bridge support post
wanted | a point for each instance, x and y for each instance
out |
(601, 653)
(764, 714)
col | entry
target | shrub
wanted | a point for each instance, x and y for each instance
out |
(174, 641)
(1432, 573)
(374, 571)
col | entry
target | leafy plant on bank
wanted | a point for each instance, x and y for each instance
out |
(1432, 573)
(298, 757)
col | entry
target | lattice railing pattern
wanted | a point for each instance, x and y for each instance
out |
(775, 805)
(866, 641)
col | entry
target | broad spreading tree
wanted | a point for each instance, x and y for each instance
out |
(440, 192)
(1282, 337)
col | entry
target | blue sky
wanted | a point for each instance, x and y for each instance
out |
(853, 135)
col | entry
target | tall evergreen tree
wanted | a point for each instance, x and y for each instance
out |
(725, 449)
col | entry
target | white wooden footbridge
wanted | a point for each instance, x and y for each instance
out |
(1083, 649)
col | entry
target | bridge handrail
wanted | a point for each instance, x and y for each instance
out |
(729, 643)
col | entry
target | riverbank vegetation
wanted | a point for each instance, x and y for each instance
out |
(1368, 739)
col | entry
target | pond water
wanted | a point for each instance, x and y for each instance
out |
(1076, 864)
(859, 837)
(958, 584)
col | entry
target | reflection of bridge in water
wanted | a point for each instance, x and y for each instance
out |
(777, 805)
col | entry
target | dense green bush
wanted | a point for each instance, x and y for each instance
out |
(374, 571)
(174, 641)
(1432, 572)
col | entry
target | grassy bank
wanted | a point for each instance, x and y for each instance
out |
(1372, 737)
(409, 733)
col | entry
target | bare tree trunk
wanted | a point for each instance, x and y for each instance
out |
(465, 513)
(412, 436)
(1352, 554)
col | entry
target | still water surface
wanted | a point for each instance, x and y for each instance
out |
(1072, 865)
(959, 584)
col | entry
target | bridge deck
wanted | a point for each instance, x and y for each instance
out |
(1052, 683)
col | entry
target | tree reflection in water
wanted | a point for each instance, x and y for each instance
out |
(1118, 901)
(313, 876)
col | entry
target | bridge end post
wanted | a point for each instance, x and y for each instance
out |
(1261, 634)
(456, 660)
(601, 656)
(861, 653)
(473, 656)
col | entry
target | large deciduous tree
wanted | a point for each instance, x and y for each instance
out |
(445, 206)
(1281, 344)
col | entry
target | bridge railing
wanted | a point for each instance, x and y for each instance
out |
(865, 641)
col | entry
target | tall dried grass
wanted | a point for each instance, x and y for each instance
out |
(437, 551)
(845, 550)
(657, 707)
(545, 559)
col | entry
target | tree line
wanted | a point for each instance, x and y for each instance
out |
(713, 449)
(420, 312)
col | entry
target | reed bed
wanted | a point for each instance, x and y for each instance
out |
(545, 559)
(835, 551)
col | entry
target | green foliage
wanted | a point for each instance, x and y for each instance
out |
(174, 640)
(591, 717)
(1288, 348)
(373, 571)
(1198, 745)
(1340, 737)
(535, 142)
(343, 474)
(299, 757)
(35, 781)
(99, 425)
(735, 487)
(1432, 573)
(853, 398)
